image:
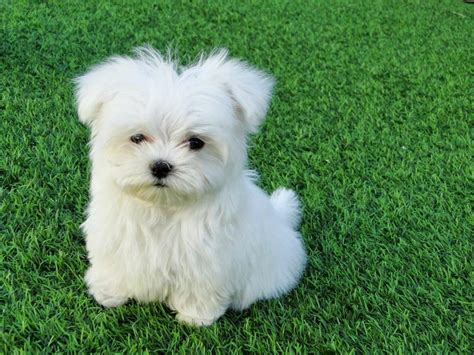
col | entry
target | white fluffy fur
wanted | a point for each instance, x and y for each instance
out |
(210, 239)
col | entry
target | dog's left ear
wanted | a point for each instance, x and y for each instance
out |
(249, 88)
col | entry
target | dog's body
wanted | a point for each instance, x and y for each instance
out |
(174, 216)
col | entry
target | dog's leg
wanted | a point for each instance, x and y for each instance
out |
(104, 287)
(202, 311)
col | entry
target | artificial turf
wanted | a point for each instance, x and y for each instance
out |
(371, 123)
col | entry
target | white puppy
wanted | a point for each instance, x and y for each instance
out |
(174, 216)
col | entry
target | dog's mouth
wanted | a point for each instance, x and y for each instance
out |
(159, 184)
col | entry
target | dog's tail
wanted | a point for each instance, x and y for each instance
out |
(287, 205)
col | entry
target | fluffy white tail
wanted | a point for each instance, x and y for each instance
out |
(287, 205)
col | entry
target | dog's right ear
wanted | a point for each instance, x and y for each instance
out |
(100, 84)
(91, 91)
(118, 74)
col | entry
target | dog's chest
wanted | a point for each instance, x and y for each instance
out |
(162, 257)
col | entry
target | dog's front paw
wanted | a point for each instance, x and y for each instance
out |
(104, 291)
(193, 321)
(107, 300)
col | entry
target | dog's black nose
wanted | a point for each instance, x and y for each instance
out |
(161, 169)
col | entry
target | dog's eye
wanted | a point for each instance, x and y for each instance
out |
(137, 138)
(195, 143)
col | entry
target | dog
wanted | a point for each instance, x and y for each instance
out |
(174, 215)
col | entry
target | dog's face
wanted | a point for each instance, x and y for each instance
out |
(163, 134)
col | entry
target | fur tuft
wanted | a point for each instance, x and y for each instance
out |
(287, 205)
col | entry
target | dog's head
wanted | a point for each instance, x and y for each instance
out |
(161, 132)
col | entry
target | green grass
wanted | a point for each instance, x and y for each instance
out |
(371, 123)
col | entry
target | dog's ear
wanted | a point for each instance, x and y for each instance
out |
(99, 85)
(249, 88)
(119, 74)
(92, 90)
